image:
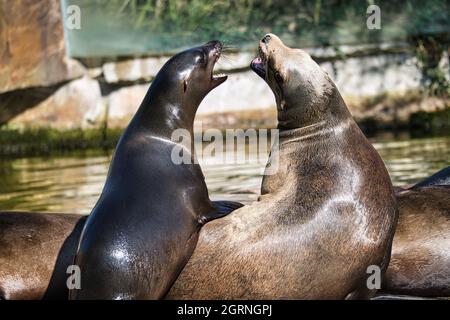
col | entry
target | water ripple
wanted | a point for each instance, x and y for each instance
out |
(73, 183)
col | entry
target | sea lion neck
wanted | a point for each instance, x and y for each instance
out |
(305, 132)
(163, 111)
(316, 116)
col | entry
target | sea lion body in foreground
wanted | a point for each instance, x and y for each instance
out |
(420, 261)
(326, 215)
(145, 225)
(35, 251)
(36, 248)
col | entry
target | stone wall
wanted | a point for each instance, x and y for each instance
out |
(33, 61)
(41, 87)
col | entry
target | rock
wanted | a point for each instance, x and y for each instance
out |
(77, 104)
(32, 51)
(242, 91)
(370, 76)
(94, 73)
(133, 70)
(15, 102)
(145, 69)
(123, 104)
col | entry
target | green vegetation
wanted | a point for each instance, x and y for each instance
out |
(31, 142)
(121, 27)
(429, 51)
(317, 21)
(39, 142)
(431, 122)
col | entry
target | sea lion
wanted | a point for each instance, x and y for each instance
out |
(38, 265)
(420, 261)
(35, 251)
(145, 225)
(323, 218)
(36, 286)
(440, 178)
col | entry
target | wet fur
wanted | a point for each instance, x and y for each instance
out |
(327, 214)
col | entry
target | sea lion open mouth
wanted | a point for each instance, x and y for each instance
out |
(258, 65)
(215, 50)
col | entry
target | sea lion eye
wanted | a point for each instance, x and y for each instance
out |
(278, 76)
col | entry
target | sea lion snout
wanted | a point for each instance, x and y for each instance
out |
(215, 46)
(271, 39)
(301, 88)
(272, 57)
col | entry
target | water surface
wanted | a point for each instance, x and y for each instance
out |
(72, 183)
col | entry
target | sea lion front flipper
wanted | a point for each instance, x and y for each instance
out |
(222, 208)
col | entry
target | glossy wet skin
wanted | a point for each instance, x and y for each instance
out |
(192, 71)
(420, 263)
(145, 225)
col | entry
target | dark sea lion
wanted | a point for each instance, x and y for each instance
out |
(420, 261)
(327, 214)
(36, 248)
(145, 225)
(35, 251)
(440, 178)
(51, 241)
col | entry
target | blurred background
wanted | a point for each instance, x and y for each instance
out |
(73, 72)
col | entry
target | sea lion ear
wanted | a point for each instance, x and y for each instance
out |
(184, 85)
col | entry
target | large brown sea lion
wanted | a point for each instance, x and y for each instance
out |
(35, 251)
(420, 261)
(327, 214)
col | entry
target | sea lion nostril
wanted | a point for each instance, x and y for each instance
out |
(218, 46)
(266, 39)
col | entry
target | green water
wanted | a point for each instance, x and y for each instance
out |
(73, 182)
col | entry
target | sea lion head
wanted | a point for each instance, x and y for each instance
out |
(189, 74)
(302, 89)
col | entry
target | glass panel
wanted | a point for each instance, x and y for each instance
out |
(133, 27)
